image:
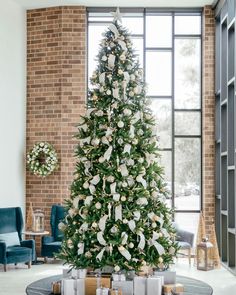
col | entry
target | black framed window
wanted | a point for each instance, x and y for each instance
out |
(169, 45)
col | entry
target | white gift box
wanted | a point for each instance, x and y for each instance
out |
(127, 287)
(148, 286)
(73, 287)
(66, 273)
(154, 285)
(169, 276)
(118, 277)
(102, 291)
(79, 273)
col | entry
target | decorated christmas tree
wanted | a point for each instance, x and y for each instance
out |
(117, 214)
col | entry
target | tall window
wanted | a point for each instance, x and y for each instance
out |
(169, 49)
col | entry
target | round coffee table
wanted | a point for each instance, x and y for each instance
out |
(191, 286)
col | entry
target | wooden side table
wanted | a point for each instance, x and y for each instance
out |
(33, 236)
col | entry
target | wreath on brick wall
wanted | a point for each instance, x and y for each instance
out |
(42, 159)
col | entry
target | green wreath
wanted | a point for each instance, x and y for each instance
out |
(42, 159)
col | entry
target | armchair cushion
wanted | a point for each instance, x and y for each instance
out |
(49, 249)
(15, 251)
(10, 239)
(184, 245)
(29, 244)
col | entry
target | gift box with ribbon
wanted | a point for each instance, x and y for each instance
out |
(169, 276)
(170, 289)
(126, 287)
(93, 282)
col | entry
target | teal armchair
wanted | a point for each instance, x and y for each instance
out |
(12, 248)
(52, 244)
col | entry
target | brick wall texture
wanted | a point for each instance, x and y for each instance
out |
(208, 112)
(56, 95)
(56, 92)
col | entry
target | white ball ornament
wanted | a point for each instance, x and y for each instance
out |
(135, 141)
(131, 93)
(125, 221)
(110, 178)
(116, 268)
(131, 245)
(121, 124)
(140, 132)
(98, 205)
(120, 141)
(101, 159)
(127, 112)
(86, 185)
(95, 141)
(154, 225)
(124, 184)
(108, 92)
(160, 259)
(120, 72)
(141, 160)
(123, 198)
(104, 58)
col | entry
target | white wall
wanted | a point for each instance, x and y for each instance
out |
(12, 104)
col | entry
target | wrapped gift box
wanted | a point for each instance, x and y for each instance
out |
(92, 283)
(178, 289)
(148, 286)
(127, 287)
(169, 276)
(73, 287)
(116, 292)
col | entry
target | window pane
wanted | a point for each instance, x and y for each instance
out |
(187, 73)
(187, 173)
(138, 49)
(189, 222)
(158, 31)
(133, 24)
(158, 73)
(165, 161)
(94, 39)
(162, 111)
(187, 123)
(188, 24)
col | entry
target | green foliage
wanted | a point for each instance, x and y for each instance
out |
(117, 215)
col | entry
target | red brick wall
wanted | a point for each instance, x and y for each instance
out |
(208, 109)
(56, 92)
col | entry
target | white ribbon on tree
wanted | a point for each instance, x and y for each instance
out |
(109, 206)
(100, 254)
(111, 61)
(137, 215)
(89, 111)
(114, 30)
(141, 244)
(80, 248)
(118, 212)
(109, 132)
(123, 170)
(113, 188)
(140, 179)
(92, 189)
(165, 232)
(102, 78)
(131, 131)
(76, 201)
(107, 154)
(85, 140)
(127, 148)
(124, 238)
(88, 200)
(84, 127)
(152, 242)
(83, 227)
(102, 222)
(122, 44)
(136, 117)
(132, 225)
(101, 239)
(124, 252)
(87, 166)
(115, 93)
(95, 180)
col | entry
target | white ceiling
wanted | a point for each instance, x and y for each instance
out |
(30, 4)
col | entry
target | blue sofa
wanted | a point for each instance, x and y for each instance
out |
(52, 244)
(12, 248)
